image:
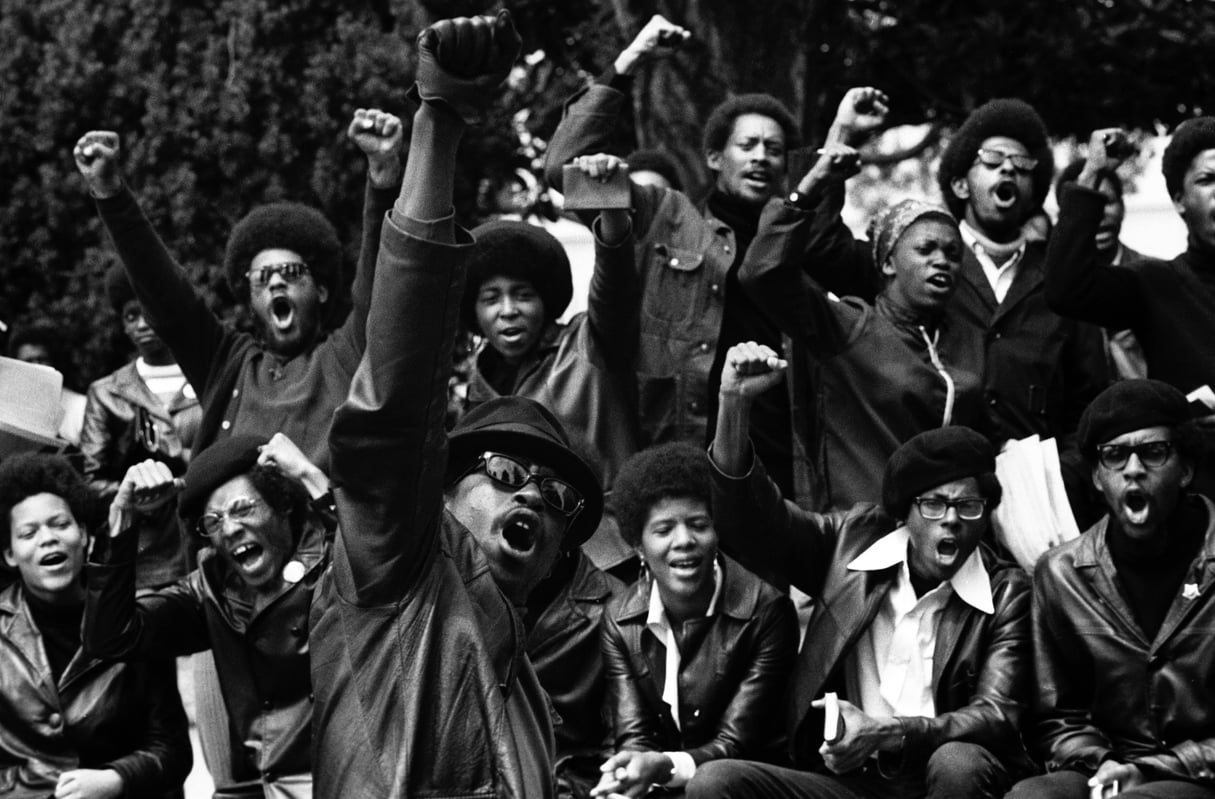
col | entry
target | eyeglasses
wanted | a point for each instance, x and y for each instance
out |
(505, 470)
(933, 508)
(1152, 454)
(241, 509)
(995, 158)
(292, 272)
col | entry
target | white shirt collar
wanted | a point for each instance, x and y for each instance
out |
(971, 582)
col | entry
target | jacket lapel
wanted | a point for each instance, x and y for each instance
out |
(1028, 279)
(1196, 589)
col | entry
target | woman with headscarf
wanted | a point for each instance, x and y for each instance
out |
(72, 725)
(877, 371)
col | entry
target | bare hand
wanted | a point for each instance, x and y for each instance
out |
(379, 135)
(863, 735)
(96, 155)
(145, 487)
(751, 369)
(87, 783)
(631, 774)
(835, 160)
(1099, 160)
(862, 112)
(1127, 775)
(600, 166)
(660, 37)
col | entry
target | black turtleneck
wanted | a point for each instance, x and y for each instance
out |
(60, 628)
(1151, 572)
(743, 320)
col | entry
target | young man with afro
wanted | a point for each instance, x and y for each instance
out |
(688, 255)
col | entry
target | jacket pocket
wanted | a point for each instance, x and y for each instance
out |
(675, 283)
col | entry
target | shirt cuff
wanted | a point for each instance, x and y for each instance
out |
(682, 771)
(440, 231)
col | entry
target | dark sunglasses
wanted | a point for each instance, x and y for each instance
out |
(505, 470)
(292, 272)
(994, 158)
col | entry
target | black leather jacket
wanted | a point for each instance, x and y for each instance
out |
(733, 673)
(99, 715)
(982, 664)
(1104, 690)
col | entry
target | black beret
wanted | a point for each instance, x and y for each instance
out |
(521, 251)
(1130, 405)
(1191, 137)
(933, 458)
(287, 226)
(214, 466)
(1015, 119)
(520, 426)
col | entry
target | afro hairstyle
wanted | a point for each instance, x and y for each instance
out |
(288, 226)
(721, 120)
(118, 288)
(675, 470)
(1013, 118)
(1191, 137)
(24, 475)
(521, 251)
(648, 160)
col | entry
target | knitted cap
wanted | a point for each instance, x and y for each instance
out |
(1015, 119)
(889, 225)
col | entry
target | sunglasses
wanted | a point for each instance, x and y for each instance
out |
(505, 470)
(241, 509)
(933, 508)
(1152, 454)
(292, 272)
(995, 158)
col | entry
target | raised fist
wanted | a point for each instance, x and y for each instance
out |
(660, 37)
(96, 155)
(379, 135)
(751, 369)
(861, 112)
(463, 61)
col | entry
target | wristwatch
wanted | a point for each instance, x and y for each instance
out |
(798, 200)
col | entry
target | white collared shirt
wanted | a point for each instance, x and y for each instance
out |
(999, 277)
(890, 671)
(658, 623)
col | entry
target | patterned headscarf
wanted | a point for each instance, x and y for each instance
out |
(890, 224)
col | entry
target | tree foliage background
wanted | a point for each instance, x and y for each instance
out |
(225, 104)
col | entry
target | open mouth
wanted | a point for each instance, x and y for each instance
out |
(53, 559)
(512, 335)
(249, 556)
(519, 532)
(941, 280)
(947, 548)
(1135, 502)
(282, 312)
(758, 179)
(686, 566)
(1006, 194)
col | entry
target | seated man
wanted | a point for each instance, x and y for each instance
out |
(1123, 615)
(922, 634)
(422, 686)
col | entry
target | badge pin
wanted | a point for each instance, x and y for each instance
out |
(1190, 591)
(293, 572)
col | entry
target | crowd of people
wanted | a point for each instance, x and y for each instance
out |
(737, 530)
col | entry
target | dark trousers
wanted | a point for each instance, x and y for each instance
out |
(955, 771)
(1074, 785)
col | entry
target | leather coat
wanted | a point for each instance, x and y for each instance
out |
(982, 663)
(262, 659)
(733, 673)
(1104, 690)
(422, 684)
(99, 715)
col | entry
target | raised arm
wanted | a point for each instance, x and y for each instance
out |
(1077, 285)
(757, 526)
(591, 115)
(388, 442)
(379, 135)
(172, 306)
(778, 267)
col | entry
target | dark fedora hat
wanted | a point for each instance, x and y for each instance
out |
(520, 426)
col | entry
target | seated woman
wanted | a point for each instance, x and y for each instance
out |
(248, 601)
(876, 369)
(72, 725)
(698, 652)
